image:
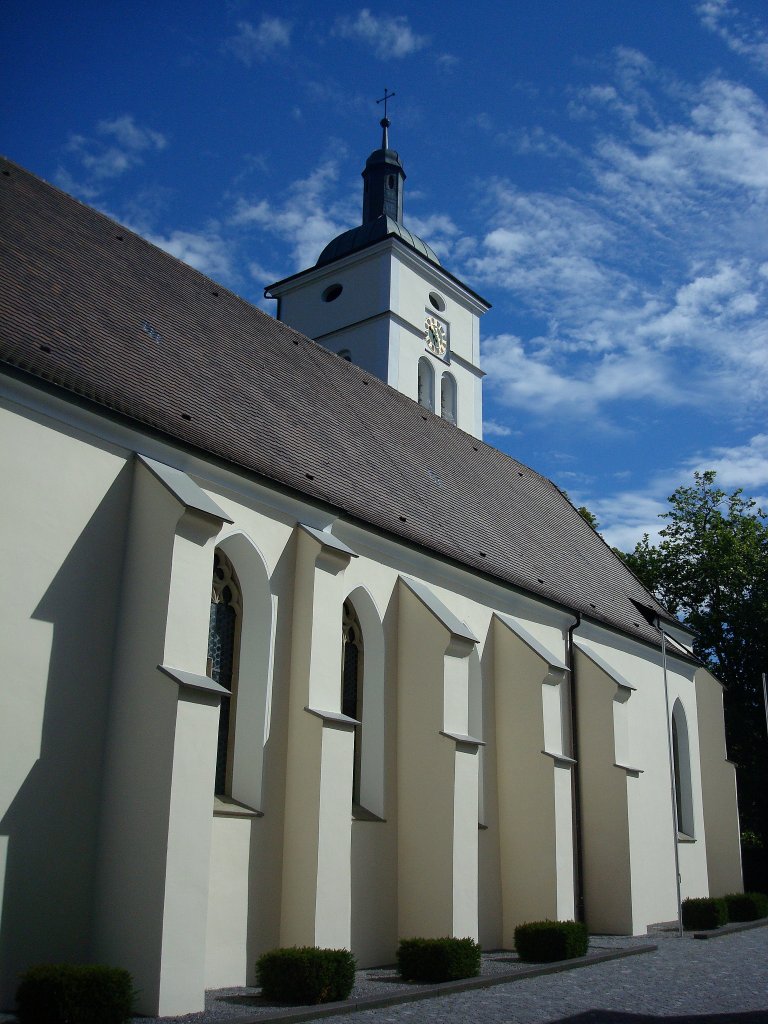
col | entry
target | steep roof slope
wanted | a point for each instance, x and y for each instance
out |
(92, 308)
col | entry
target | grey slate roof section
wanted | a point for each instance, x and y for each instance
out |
(89, 309)
(603, 665)
(432, 603)
(184, 489)
(548, 656)
(192, 681)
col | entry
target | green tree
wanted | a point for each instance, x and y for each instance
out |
(584, 512)
(710, 568)
(589, 517)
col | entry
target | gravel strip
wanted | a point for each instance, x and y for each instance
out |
(683, 982)
(246, 1004)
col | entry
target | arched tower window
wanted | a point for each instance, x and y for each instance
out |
(223, 648)
(352, 682)
(681, 759)
(426, 390)
(448, 397)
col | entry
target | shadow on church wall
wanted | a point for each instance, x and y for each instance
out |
(266, 854)
(52, 822)
(489, 858)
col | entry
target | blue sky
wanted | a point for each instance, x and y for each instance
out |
(597, 169)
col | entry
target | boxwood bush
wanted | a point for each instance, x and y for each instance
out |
(746, 906)
(548, 941)
(434, 960)
(705, 912)
(74, 994)
(306, 974)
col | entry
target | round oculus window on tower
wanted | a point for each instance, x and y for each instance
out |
(437, 301)
(332, 292)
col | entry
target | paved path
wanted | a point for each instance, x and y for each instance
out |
(723, 980)
(719, 981)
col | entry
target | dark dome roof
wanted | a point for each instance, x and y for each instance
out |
(370, 233)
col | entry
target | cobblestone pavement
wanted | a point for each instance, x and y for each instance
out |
(718, 981)
(723, 980)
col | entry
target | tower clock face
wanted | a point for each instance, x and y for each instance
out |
(435, 337)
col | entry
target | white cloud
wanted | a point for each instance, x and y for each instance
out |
(307, 217)
(206, 252)
(440, 232)
(262, 276)
(737, 466)
(720, 141)
(534, 381)
(114, 148)
(446, 61)
(626, 515)
(390, 37)
(493, 429)
(547, 246)
(649, 281)
(130, 136)
(742, 35)
(259, 42)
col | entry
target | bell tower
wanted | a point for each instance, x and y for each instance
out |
(379, 297)
(383, 180)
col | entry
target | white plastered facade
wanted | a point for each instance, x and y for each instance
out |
(114, 848)
(378, 318)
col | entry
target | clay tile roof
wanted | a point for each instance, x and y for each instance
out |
(94, 310)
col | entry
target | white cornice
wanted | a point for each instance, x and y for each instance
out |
(397, 249)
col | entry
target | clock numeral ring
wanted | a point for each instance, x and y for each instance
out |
(434, 336)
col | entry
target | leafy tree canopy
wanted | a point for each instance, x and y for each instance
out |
(710, 568)
(588, 516)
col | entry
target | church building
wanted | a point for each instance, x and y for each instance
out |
(291, 656)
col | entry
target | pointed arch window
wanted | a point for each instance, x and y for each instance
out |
(681, 761)
(426, 384)
(352, 682)
(223, 649)
(448, 397)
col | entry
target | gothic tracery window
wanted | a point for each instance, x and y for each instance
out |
(681, 763)
(223, 644)
(681, 767)
(352, 682)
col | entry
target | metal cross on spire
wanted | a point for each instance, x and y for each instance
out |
(387, 96)
(385, 122)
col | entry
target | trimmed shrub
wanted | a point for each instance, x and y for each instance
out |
(544, 942)
(704, 912)
(74, 994)
(436, 960)
(746, 906)
(306, 974)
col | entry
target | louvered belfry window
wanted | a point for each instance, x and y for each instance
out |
(222, 652)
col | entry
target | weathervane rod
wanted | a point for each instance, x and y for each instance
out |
(385, 120)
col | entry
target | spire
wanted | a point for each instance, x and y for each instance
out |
(383, 177)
